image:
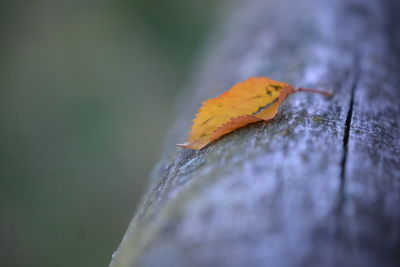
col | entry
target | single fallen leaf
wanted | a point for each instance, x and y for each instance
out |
(255, 99)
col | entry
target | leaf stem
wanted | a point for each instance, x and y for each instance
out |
(325, 93)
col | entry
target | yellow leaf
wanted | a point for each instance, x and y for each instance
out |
(253, 100)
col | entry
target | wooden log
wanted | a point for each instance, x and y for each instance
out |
(319, 185)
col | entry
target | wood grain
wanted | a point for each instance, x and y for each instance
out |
(317, 186)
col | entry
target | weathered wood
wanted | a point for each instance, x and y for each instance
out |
(317, 186)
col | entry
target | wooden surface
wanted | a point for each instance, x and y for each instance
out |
(317, 186)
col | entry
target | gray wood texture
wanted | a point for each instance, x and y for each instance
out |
(319, 185)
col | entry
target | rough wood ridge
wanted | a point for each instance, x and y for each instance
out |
(317, 186)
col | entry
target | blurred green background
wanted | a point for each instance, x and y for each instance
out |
(86, 93)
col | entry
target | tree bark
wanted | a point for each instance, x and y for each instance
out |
(319, 184)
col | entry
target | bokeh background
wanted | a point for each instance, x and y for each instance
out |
(86, 94)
